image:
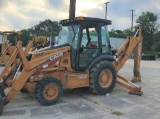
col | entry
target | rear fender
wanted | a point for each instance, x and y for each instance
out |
(102, 57)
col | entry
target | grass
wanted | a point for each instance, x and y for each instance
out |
(150, 53)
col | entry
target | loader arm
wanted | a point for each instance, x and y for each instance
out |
(29, 68)
(131, 44)
(12, 50)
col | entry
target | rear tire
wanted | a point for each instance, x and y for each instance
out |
(48, 91)
(102, 78)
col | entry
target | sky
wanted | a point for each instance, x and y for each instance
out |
(24, 14)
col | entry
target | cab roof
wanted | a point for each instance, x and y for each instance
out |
(79, 20)
(12, 32)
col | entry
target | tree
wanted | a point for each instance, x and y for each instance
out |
(11, 38)
(112, 33)
(117, 33)
(156, 45)
(120, 33)
(150, 28)
(128, 32)
(25, 37)
(44, 27)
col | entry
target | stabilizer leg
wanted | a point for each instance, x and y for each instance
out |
(134, 89)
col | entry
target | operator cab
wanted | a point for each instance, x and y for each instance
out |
(88, 38)
(8, 37)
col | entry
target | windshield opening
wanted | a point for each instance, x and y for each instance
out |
(69, 35)
(105, 40)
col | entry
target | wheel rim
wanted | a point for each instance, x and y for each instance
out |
(105, 78)
(50, 92)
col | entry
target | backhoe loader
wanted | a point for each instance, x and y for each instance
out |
(39, 42)
(82, 58)
(5, 47)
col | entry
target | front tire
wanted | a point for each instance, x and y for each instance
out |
(102, 78)
(48, 91)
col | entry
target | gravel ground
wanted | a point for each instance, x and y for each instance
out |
(81, 104)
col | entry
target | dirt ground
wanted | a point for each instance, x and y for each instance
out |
(81, 104)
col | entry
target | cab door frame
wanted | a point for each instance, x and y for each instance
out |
(98, 30)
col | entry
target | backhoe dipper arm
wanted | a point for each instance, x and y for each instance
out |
(123, 54)
(130, 44)
(137, 61)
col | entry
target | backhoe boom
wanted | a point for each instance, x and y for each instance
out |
(131, 44)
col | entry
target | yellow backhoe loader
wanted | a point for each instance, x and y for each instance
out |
(81, 59)
(7, 49)
(39, 42)
(5, 44)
